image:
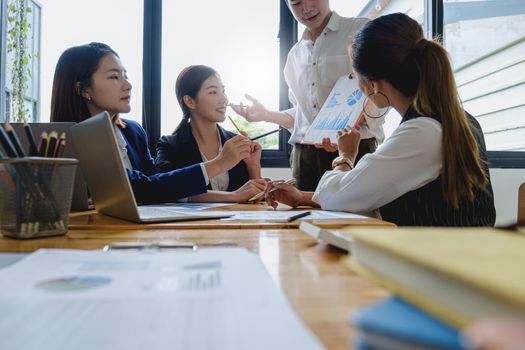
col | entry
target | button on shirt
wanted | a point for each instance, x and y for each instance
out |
(312, 69)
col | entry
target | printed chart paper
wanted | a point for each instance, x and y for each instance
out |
(220, 298)
(342, 107)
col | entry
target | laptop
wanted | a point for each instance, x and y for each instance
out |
(80, 191)
(103, 169)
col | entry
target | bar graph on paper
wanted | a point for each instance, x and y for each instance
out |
(342, 107)
(196, 277)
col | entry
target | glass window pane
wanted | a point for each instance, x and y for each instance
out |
(236, 38)
(118, 23)
(31, 51)
(486, 41)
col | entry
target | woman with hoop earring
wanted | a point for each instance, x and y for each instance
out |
(433, 169)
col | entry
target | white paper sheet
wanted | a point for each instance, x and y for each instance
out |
(7, 259)
(209, 299)
(283, 215)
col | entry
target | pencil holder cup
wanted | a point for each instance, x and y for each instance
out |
(35, 196)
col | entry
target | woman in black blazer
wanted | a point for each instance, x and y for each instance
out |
(200, 93)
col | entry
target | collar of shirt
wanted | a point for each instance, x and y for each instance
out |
(332, 25)
(122, 147)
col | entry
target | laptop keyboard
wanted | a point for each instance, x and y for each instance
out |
(162, 211)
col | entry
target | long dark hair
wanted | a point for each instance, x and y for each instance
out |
(73, 73)
(189, 82)
(393, 48)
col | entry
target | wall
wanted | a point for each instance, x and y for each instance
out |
(505, 183)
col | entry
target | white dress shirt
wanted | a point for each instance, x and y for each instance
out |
(221, 181)
(122, 147)
(312, 69)
(409, 159)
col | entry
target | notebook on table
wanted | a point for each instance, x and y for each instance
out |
(80, 192)
(112, 194)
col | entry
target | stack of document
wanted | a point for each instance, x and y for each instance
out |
(209, 299)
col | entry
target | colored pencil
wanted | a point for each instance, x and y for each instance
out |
(42, 144)
(33, 149)
(264, 135)
(15, 141)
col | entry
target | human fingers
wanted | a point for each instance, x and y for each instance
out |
(340, 134)
(332, 148)
(243, 147)
(269, 198)
(262, 182)
(260, 186)
(236, 109)
(251, 98)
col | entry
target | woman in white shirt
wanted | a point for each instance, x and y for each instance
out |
(433, 170)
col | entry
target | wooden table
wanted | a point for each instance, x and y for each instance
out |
(322, 290)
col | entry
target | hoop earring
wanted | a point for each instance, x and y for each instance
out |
(368, 100)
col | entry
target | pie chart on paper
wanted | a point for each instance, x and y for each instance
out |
(73, 283)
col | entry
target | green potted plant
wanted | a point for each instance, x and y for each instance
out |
(18, 27)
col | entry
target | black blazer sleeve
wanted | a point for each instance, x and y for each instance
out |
(166, 154)
(181, 150)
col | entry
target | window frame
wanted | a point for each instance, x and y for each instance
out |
(497, 159)
(434, 25)
(3, 49)
(34, 96)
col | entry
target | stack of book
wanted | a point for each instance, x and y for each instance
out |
(444, 279)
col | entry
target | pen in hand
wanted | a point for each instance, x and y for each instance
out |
(265, 192)
(298, 216)
(265, 134)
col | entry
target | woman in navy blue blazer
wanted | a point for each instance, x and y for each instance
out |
(202, 98)
(90, 79)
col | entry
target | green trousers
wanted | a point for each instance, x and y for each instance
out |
(310, 163)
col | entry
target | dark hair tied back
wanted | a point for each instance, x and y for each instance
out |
(189, 82)
(421, 45)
